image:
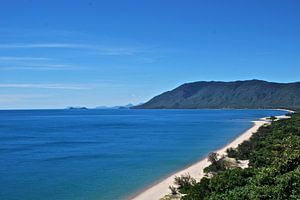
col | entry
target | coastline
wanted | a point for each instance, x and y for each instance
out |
(161, 188)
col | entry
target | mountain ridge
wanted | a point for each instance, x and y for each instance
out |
(235, 94)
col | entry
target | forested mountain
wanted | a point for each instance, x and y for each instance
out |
(237, 94)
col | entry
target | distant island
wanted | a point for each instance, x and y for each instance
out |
(115, 107)
(238, 94)
(76, 108)
(128, 106)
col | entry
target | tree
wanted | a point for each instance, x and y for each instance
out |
(272, 118)
(184, 182)
(273, 154)
(173, 190)
(213, 157)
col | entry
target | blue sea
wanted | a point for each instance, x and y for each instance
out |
(106, 154)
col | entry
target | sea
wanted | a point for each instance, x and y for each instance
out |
(108, 154)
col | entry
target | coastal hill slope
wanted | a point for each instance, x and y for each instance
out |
(237, 94)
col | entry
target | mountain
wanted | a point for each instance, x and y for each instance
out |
(237, 94)
(115, 107)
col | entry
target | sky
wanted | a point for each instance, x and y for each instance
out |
(59, 53)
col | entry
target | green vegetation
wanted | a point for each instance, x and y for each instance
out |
(274, 167)
(238, 94)
(272, 118)
(184, 183)
(219, 164)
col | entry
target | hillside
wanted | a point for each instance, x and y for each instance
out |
(273, 172)
(238, 94)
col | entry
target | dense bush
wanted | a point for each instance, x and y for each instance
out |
(274, 173)
(183, 183)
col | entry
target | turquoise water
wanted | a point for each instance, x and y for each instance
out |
(106, 154)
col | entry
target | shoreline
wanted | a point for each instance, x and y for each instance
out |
(161, 188)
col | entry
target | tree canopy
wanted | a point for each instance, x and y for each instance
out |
(274, 167)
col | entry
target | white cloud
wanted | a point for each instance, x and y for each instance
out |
(44, 45)
(46, 86)
(40, 67)
(8, 98)
(100, 50)
(13, 58)
(49, 65)
(32, 68)
(117, 51)
(31, 63)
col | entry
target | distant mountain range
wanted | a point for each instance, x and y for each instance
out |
(116, 107)
(237, 94)
(128, 106)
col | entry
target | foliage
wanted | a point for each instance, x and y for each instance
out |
(217, 165)
(231, 153)
(184, 183)
(173, 190)
(213, 157)
(272, 118)
(274, 172)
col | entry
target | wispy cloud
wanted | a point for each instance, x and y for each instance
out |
(32, 33)
(32, 63)
(47, 86)
(263, 53)
(44, 45)
(8, 98)
(97, 49)
(40, 67)
(14, 58)
(146, 60)
(33, 68)
(117, 51)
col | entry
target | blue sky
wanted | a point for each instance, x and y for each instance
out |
(60, 53)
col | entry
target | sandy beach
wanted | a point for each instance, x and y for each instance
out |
(161, 189)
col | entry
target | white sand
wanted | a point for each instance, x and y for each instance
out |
(161, 189)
